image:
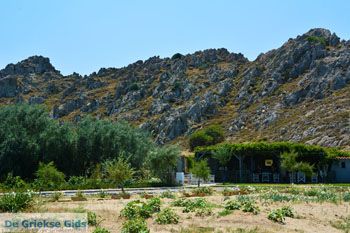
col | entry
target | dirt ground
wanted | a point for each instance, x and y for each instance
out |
(310, 217)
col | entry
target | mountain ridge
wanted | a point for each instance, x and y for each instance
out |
(297, 92)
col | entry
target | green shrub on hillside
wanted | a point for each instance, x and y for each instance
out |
(317, 39)
(208, 136)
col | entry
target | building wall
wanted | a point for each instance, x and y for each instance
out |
(341, 169)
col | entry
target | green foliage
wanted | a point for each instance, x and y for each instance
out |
(101, 230)
(48, 177)
(201, 170)
(153, 204)
(232, 205)
(250, 207)
(309, 153)
(15, 202)
(208, 136)
(346, 196)
(162, 161)
(203, 212)
(276, 216)
(223, 154)
(56, 196)
(167, 216)
(289, 163)
(203, 191)
(92, 218)
(119, 171)
(137, 225)
(288, 211)
(225, 212)
(177, 56)
(139, 209)
(14, 183)
(191, 204)
(317, 39)
(342, 224)
(168, 194)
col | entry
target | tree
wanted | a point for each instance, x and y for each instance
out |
(119, 171)
(223, 154)
(48, 177)
(201, 170)
(289, 163)
(162, 162)
(207, 136)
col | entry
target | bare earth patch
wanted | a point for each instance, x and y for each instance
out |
(310, 217)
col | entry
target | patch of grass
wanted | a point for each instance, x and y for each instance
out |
(225, 212)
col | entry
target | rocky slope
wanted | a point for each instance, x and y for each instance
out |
(298, 92)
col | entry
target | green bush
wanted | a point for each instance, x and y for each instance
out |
(92, 218)
(177, 56)
(15, 202)
(56, 196)
(167, 216)
(288, 211)
(276, 216)
(137, 225)
(48, 177)
(139, 209)
(168, 194)
(14, 183)
(317, 39)
(153, 204)
(232, 205)
(225, 212)
(203, 212)
(200, 138)
(250, 207)
(101, 230)
(346, 197)
(203, 191)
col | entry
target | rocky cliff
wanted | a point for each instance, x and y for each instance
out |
(298, 92)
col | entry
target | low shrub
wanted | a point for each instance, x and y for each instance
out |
(276, 216)
(168, 194)
(56, 196)
(15, 202)
(153, 205)
(167, 216)
(250, 207)
(137, 225)
(203, 212)
(232, 205)
(139, 209)
(92, 218)
(14, 183)
(225, 212)
(202, 191)
(346, 197)
(288, 211)
(101, 230)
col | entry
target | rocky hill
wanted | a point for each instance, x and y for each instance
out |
(298, 92)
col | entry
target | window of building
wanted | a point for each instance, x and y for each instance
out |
(342, 164)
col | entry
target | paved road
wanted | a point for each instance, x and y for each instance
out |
(154, 190)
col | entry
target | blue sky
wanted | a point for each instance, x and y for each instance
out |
(85, 35)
